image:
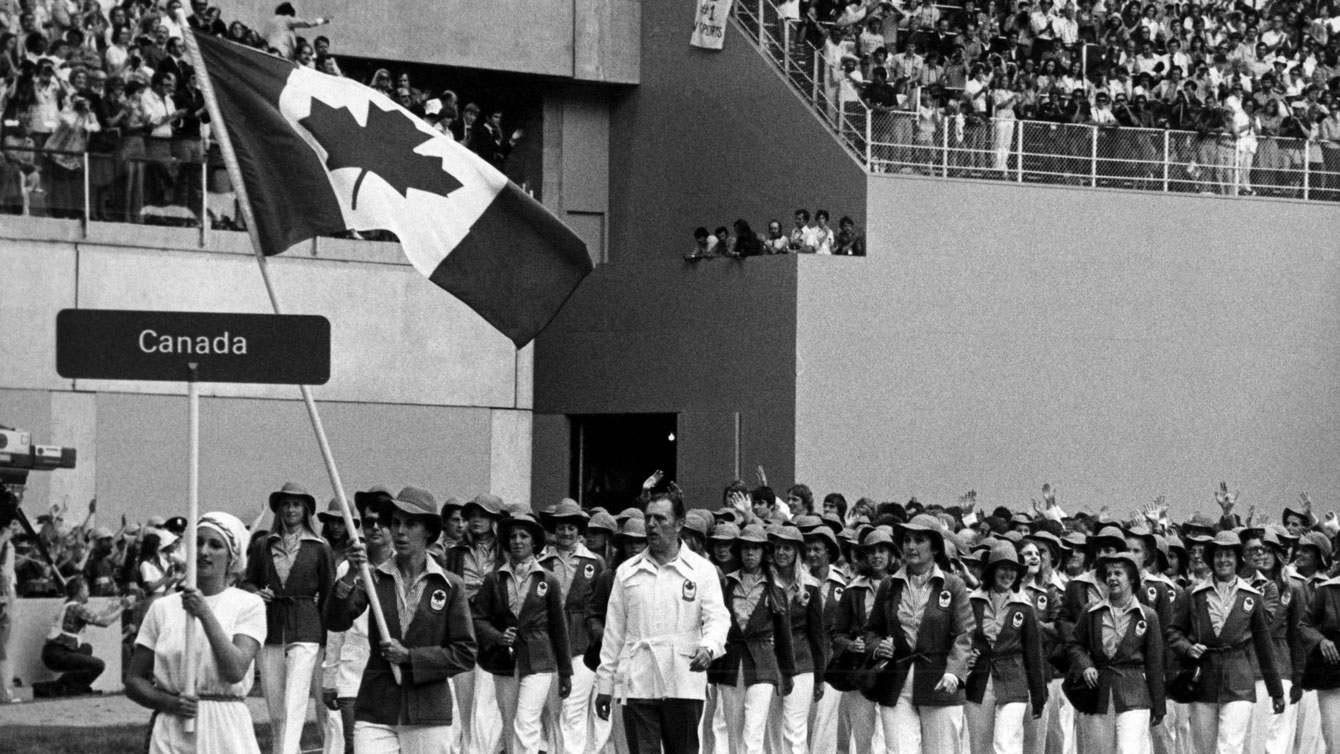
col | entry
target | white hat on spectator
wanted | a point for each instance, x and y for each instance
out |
(432, 107)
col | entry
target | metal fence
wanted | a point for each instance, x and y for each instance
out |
(1041, 152)
(154, 188)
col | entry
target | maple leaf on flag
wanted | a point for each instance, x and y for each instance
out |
(388, 140)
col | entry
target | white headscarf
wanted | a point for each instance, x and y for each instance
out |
(234, 534)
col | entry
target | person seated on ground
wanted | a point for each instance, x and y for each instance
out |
(65, 652)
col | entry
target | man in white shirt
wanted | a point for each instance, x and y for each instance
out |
(666, 622)
(1042, 23)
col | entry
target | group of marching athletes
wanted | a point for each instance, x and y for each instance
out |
(904, 628)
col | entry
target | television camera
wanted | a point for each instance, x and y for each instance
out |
(18, 457)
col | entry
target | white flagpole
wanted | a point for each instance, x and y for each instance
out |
(192, 514)
(220, 131)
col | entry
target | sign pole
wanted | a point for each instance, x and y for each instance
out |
(220, 130)
(192, 515)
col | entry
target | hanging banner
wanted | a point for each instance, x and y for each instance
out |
(709, 27)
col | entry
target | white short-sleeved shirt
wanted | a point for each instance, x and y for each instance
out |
(164, 633)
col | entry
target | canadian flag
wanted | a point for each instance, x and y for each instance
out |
(321, 154)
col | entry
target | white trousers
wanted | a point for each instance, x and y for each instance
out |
(707, 726)
(521, 699)
(824, 728)
(792, 731)
(568, 720)
(370, 738)
(994, 728)
(1060, 721)
(1113, 733)
(746, 709)
(1220, 728)
(1035, 731)
(1309, 738)
(909, 729)
(480, 722)
(1179, 717)
(1328, 707)
(286, 681)
(1263, 711)
(1280, 736)
(858, 721)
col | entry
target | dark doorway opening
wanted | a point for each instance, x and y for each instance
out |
(613, 453)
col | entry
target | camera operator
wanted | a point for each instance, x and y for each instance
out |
(7, 594)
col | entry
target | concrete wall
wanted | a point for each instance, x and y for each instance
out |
(587, 40)
(422, 390)
(1119, 345)
(709, 137)
(705, 341)
(577, 162)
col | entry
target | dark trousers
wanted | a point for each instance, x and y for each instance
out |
(656, 725)
(78, 667)
(346, 713)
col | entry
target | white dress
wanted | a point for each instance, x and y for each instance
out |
(222, 727)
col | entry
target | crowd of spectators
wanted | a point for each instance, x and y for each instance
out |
(114, 82)
(1257, 83)
(804, 237)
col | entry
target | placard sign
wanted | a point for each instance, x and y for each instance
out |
(114, 344)
(709, 27)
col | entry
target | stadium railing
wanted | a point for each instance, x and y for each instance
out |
(1037, 152)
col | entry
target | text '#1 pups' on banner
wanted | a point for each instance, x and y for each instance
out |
(321, 154)
(709, 24)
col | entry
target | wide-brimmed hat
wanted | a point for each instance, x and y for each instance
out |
(101, 532)
(879, 536)
(724, 532)
(1106, 535)
(923, 523)
(806, 522)
(1053, 544)
(1002, 553)
(365, 500)
(833, 522)
(333, 511)
(1308, 520)
(1286, 537)
(1199, 522)
(1321, 542)
(787, 535)
(415, 501)
(753, 534)
(450, 504)
(630, 513)
(825, 535)
(488, 504)
(517, 508)
(602, 521)
(568, 511)
(1127, 559)
(1224, 539)
(633, 528)
(293, 490)
(1152, 545)
(699, 522)
(523, 521)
